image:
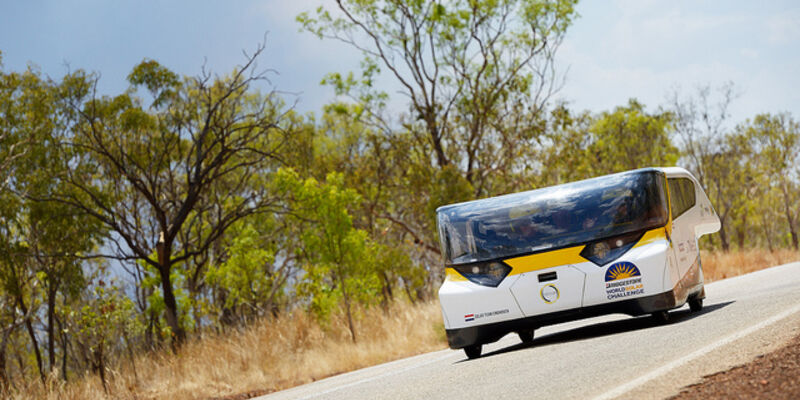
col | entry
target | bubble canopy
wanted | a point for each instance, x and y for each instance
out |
(553, 217)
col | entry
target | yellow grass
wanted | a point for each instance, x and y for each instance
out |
(290, 351)
(270, 356)
(719, 265)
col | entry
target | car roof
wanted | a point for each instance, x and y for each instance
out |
(668, 171)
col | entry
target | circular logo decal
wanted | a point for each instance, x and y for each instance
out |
(549, 293)
(622, 270)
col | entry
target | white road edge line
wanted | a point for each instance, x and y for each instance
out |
(622, 389)
(372, 378)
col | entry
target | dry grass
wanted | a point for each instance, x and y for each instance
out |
(270, 356)
(282, 353)
(719, 265)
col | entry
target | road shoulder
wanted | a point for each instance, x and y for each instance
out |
(736, 353)
(773, 375)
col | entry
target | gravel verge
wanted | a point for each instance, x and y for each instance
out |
(774, 375)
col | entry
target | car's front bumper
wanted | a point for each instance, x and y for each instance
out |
(488, 333)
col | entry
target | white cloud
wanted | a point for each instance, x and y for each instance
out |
(749, 53)
(643, 49)
(784, 28)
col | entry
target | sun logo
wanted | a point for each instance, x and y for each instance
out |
(621, 270)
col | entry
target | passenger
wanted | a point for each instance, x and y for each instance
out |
(527, 229)
(622, 215)
(589, 222)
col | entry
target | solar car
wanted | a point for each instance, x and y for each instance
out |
(621, 243)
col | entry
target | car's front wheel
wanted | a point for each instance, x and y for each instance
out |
(473, 351)
(696, 304)
(661, 317)
(526, 336)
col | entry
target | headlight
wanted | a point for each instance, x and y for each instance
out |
(486, 274)
(604, 251)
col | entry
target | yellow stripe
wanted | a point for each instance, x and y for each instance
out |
(535, 262)
(555, 258)
(452, 275)
(651, 236)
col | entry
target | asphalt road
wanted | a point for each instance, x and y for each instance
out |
(606, 357)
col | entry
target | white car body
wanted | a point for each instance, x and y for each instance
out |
(658, 269)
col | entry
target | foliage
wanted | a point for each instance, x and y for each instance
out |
(627, 138)
(775, 142)
(167, 181)
(477, 76)
(251, 281)
(189, 205)
(340, 261)
(106, 316)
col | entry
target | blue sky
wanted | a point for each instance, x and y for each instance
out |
(616, 49)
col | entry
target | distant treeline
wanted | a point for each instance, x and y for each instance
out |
(130, 222)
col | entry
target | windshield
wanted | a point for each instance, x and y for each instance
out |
(552, 217)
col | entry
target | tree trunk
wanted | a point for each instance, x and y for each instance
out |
(129, 345)
(99, 365)
(723, 237)
(436, 138)
(787, 206)
(64, 344)
(768, 236)
(741, 232)
(32, 334)
(792, 231)
(170, 305)
(347, 310)
(51, 339)
(386, 292)
(149, 333)
(411, 297)
(3, 346)
(171, 308)
(3, 376)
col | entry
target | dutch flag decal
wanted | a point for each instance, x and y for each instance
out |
(469, 317)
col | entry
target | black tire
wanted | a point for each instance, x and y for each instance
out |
(473, 351)
(696, 304)
(661, 317)
(526, 336)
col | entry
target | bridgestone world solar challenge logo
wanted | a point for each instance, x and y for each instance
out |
(623, 279)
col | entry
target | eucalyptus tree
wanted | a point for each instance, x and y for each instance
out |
(475, 76)
(14, 279)
(776, 138)
(104, 318)
(168, 178)
(18, 296)
(379, 165)
(340, 262)
(252, 275)
(462, 65)
(43, 241)
(14, 100)
(629, 137)
(746, 190)
(701, 123)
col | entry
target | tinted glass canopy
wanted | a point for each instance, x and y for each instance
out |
(552, 217)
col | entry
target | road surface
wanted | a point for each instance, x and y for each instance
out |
(606, 357)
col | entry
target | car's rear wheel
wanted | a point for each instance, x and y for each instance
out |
(696, 304)
(526, 336)
(473, 351)
(661, 316)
